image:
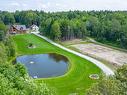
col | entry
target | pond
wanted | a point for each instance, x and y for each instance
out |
(44, 65)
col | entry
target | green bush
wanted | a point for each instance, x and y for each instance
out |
(115, 85)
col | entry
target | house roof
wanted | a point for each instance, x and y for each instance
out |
(34, 25)
(20, 27)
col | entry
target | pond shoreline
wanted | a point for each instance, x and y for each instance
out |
(45, 65)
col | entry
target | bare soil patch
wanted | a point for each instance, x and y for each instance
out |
(111, 55)
(74, 41)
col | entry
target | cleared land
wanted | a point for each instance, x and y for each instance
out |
(76, 80)
(111, 55)
(74, 41)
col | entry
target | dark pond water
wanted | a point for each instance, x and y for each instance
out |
(44, 65)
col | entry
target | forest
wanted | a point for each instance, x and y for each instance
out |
(103, 26)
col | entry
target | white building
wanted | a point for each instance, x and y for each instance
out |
(34, 29)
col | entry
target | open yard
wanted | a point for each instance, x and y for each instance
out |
(111, 55)
(76, 80)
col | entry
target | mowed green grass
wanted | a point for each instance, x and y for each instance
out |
(76, 80)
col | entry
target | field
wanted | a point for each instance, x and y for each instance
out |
(113, 56)
(76, 80)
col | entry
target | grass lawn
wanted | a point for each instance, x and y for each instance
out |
(76, 80)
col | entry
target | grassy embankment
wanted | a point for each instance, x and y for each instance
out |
(76, 80)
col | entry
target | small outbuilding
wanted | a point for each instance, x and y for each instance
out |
(34, 29)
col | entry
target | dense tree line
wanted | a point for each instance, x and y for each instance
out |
(104, 26)
(2, 31)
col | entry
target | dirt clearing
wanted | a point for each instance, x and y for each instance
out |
(113, 56)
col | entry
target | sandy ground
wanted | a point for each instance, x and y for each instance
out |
(74, 41)
(105, 53)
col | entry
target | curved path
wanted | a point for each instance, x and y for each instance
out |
(103, 67)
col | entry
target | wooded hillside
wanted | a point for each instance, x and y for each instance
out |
(104, 26)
